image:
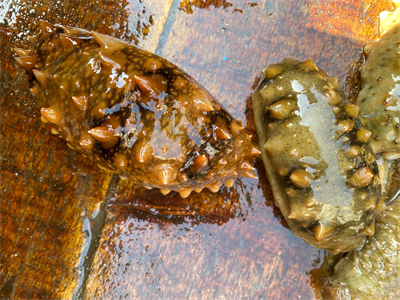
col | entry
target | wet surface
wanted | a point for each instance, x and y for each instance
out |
(70, 230)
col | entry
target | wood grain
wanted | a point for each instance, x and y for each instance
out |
(70, 230)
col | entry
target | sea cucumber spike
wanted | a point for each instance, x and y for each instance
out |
(352, 110)
(108, 42)
(362, 177)
(80, 102)
(247, 166)
(370, 230)
(282, 109)
(363, 135)
(185, 192)
(35, 90)
(55, 131)
(367, 49)
(200, 164)
(332, 97)
(27, 62)
(381, 206)
(221, 131)
(86, 141)
(165, 173)
(41, 76)
(296, 211)
(214, 187)
(309, 65)
(254, 151)
(273, 71)
(121, 161)
(68, 42)
(346, 125)
(75, 32)
(201, 101)
(391, 155)
(143, 151)
(322, 231)
(229, 183)
(152, 64)
(236, 127)
(165, 191)
(22, 52)
(300, 178)
(109, 63)
(46, 28)
(52, 115)
(249, 174)
(105, 135)
(153, 84)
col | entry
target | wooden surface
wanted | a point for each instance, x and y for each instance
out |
(70, 230)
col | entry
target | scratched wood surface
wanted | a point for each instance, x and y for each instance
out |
(70, 230)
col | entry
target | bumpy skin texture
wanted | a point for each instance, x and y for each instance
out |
(379, 99)
(374, 271)
(134, 112)
(320, 167)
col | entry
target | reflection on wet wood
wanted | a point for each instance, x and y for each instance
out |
(54, 204)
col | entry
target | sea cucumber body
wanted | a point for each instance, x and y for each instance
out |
(373, 272)
(379, 99)
(320, 167)
(134, 112)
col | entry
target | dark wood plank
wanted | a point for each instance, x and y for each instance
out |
(232, 244)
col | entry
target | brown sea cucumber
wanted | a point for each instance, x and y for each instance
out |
(373, 272)
(321, 169)
(134, 112)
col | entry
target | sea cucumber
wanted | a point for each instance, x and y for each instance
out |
(373, 272)
(134, 112)
(379, 98)
(323, 174)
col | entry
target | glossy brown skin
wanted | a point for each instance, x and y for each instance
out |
(321, 169)
(134, 112)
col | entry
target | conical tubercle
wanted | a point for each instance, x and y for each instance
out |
(108, 42)
(41, 76)
(22, 52)
(46, 28)
(68, 42)
(27, 62)
(108, 62)
(52, 115)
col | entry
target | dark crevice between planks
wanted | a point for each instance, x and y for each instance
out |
(167, 29)
(93, 227)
